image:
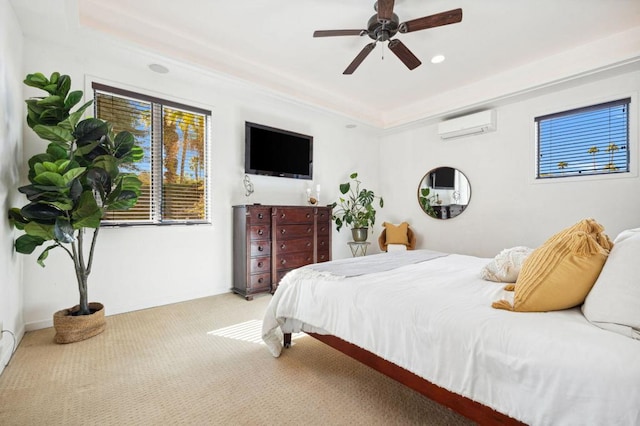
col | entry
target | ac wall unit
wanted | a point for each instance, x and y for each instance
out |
(472, 124)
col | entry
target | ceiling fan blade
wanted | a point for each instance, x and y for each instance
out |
(334, 33)
(385, 10)
(404, 54)
(439, 19)
(358, 59)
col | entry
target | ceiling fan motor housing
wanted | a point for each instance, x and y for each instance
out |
(382, 31)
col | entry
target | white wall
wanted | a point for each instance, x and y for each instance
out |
(140, 267)
(508, 207)
(11, 107)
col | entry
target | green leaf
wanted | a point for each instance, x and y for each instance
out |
(26, 244)
(353, 175)
(344, 187)
(125, 200)
(49, 167)
(41, 230)
(36, 80)
(124, 142)
(16, 219)
(90, 129)
(64, 84)
(55, 76)
(63, 231)
(72, 99)
(43, 256)
(50, 178)
(108, 163)
(51, 101)
(53, 133)
(99, 179)
(73, 174)
(42, 213)
(87, 214)
(56, 152)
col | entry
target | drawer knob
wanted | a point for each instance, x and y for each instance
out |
(260, 280)
(260, 248)
(283, 231)
(309, 230)
(283, 261)
(260, 264)
(308, 215)
(260, 215)
(308, 243)
(282, 216)
(322, 243)
(283, 246)
(260, 232)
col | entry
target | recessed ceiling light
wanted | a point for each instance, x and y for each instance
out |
(437, 59)
(350, 126)
(161, 69)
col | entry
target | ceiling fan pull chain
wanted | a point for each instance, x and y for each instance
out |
(382, 51)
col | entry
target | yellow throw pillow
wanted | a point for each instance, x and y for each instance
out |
(557, 275)
(591, 227)
(397, 234)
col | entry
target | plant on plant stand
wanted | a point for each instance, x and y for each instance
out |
(72, 184)
(355, 208)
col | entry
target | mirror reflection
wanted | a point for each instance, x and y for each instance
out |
(444, 192)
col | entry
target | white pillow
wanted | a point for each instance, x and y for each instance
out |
(505, 267)
(614, 301)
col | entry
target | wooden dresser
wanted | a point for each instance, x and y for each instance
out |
(269, 241)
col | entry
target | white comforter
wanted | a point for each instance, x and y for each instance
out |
(435, 319)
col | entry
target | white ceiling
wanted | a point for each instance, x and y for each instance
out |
(501, 49)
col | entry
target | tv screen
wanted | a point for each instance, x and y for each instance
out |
(443, 178)
(276, 152)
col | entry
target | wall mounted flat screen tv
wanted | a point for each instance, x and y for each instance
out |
(443, 178)
(275, 152)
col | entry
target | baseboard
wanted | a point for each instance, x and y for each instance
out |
(7, 347)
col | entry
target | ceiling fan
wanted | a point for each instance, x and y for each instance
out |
(385, 24)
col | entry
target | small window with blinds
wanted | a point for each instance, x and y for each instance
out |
(173, 172)
(593, 140)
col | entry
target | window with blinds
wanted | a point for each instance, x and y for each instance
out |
(173, 172)
(586, 141)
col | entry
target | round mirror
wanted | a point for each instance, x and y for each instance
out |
(444, 192)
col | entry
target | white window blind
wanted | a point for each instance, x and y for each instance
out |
(585, 141)
(175, 140)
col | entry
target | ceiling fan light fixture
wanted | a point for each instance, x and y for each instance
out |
(437, 59)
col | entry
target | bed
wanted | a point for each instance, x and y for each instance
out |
(426, 319)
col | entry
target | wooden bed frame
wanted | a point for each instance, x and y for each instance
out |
(458, 403)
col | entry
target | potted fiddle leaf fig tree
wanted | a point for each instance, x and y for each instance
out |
(71, 186)
(355, 208)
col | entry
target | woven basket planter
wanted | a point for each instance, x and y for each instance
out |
(74, 328)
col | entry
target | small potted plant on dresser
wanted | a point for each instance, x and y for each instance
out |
(355, 208)
(71, 185)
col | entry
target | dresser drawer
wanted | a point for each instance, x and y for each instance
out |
(260, 232)
(323, 256)
(324, 228)
(324, 215)
(294, 260)
(260, 248)
(323, 244)
(259, 282)
(294, 231)
(290, 246)
(259, 215)
(301, 215)
(260, 265)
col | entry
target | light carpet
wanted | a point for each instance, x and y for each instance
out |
(200, 363)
